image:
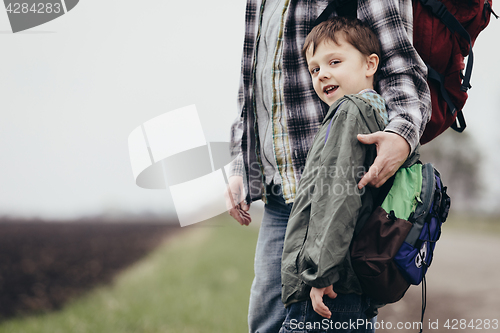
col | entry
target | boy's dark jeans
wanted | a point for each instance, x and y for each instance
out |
(348, 315)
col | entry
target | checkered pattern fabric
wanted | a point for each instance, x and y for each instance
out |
(402, 83)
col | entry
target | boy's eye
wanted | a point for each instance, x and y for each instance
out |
(334, 62)
(314, 70)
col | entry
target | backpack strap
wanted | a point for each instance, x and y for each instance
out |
(441, 12)
(487, 7)
(347, 8)
(459, 125)
(439, 78)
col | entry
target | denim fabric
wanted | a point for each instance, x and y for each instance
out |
(266, 311)
(347, 316)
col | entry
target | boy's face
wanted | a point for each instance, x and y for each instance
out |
(340, 69)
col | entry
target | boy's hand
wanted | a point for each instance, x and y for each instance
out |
(235, 201)
(392, 151)
(317, 300)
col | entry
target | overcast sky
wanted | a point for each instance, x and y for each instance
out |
(73, 89)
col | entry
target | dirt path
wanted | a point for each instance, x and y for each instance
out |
(462, 283)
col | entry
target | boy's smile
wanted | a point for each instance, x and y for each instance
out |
(330, 89)
(340, 69)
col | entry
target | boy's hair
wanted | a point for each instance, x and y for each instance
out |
(355, 32)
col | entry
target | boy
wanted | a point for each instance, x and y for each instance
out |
(342, 56)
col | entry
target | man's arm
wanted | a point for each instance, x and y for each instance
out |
(392, 151)
(235, 193)
(403, 84)
(235, 201)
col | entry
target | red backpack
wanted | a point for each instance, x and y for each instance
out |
(443, 35)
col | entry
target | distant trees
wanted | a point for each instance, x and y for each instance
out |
(458, 159)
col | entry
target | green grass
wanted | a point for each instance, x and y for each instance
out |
(198, 281)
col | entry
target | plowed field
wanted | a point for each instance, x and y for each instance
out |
(42, 265)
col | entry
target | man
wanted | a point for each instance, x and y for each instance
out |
(279, 114)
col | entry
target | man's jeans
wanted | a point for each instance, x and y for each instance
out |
(266, 311)
(347, 316)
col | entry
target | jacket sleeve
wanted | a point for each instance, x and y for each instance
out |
(402, 77)
(335, 201)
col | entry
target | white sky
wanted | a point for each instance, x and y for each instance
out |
(73, 89)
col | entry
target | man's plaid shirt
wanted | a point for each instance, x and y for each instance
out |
(401, 81)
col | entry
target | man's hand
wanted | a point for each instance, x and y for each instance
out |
(317, 300)
(235, 201)
(392, 151)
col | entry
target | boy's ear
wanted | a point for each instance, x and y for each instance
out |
(372, 64)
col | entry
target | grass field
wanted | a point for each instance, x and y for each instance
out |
(197, 281)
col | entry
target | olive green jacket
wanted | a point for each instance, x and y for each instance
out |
(328, 203)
